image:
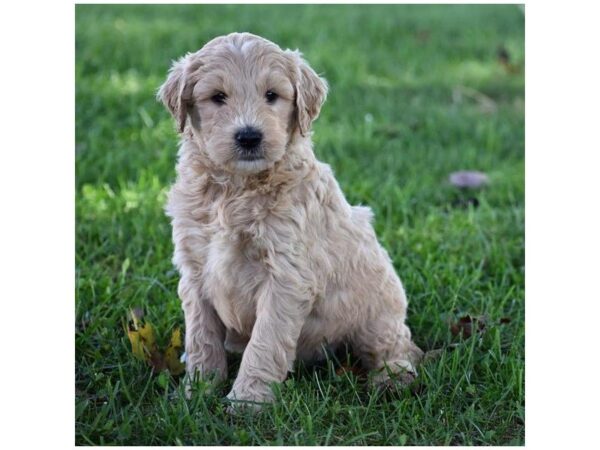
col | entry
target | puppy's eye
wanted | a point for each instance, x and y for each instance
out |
(219, 98)
(271, 97)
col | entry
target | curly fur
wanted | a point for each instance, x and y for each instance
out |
(273, 260)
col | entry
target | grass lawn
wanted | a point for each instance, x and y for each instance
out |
(417, 92)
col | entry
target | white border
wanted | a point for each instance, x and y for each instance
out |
(37, 238)
(562, 225)
(38, 232)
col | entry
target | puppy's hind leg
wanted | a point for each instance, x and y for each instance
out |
(204, 337)
(384, 345)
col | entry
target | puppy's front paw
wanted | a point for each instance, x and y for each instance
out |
(249, 397)
(401, 373)
(398, 379)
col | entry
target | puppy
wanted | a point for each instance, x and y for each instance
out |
(273, 260)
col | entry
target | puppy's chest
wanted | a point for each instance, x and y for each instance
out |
(245, 229)
(238, 262)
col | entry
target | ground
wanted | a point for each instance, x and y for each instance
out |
(416, 92)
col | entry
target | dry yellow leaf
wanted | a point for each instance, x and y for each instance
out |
(144, 346)
(143, 341)
(173, 352)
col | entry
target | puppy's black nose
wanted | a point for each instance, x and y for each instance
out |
(248, 137)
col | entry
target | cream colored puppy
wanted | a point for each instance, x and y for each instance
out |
(274, 262)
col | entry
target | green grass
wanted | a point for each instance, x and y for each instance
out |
(392, 130)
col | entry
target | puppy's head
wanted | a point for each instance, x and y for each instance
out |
(243, 99)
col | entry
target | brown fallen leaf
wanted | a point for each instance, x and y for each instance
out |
(157, 361)
(466, 326)
(505, 60)
(503, 55)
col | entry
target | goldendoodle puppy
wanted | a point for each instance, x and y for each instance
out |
(274, 262)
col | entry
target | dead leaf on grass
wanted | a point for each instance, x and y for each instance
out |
(505, 60)
(143, 340)
(173, 354)
(144, 345)
(467, 325)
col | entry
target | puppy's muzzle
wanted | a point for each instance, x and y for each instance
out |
(248, 142)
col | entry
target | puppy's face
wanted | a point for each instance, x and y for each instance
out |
(243, 98)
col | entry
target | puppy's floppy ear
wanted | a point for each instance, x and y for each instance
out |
(176, 92)
(311, 91)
